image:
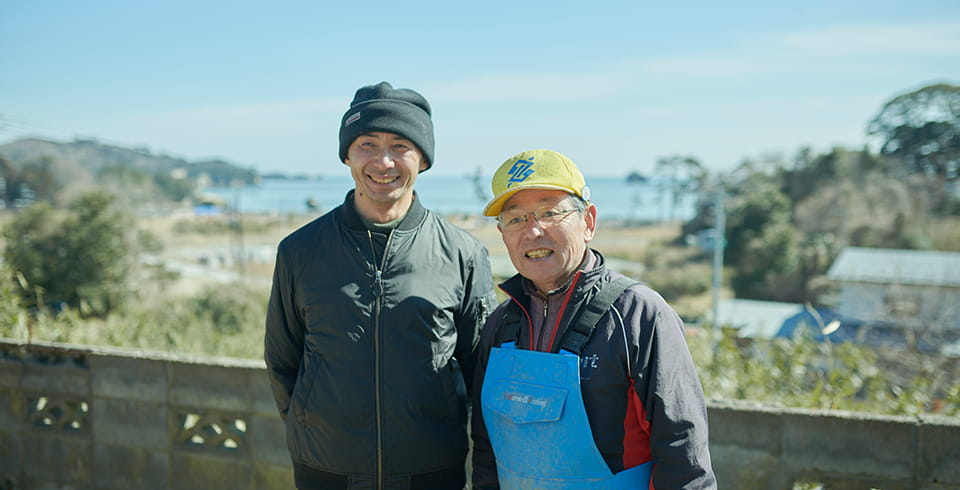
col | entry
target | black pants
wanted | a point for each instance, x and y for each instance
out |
(307, 478)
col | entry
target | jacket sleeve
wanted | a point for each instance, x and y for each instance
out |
(479, 300)
(671, 394)
(283, 338)
(484, 465)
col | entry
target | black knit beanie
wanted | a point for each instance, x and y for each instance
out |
(381, 107)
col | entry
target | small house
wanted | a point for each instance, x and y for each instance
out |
(915, 290)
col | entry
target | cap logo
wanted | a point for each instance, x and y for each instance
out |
(520, 171)
(352, 119)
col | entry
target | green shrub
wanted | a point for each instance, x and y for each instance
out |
(220, 321)
(83, 257)
(804, 373)
(13, 317)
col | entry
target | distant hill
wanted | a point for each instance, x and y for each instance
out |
(82, 159)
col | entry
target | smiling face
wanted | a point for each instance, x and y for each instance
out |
(547, 254)
(384, 167)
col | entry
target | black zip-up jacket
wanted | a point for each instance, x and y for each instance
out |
(640, 388)
(368, 354)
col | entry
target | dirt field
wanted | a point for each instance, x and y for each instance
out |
(223, 252)
(207, 251)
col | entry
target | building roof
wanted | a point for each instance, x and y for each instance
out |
(890, 266)
(755, 319)
(768, 319)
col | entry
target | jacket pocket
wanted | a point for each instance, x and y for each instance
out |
(306, 379)
(454, 392)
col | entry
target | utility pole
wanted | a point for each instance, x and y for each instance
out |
(236, 228)
(719, 242)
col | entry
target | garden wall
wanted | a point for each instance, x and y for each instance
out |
(82, 417)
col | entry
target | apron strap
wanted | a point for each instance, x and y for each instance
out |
(586, 322)
(510, 333)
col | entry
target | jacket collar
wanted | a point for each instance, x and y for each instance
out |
(583, 280)
(350, 218)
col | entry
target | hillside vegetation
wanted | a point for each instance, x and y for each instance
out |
(42, 170)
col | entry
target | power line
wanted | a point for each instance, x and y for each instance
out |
(18, 124)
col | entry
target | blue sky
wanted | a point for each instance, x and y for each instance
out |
(614, 85)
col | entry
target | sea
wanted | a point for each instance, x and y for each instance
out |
(616, 198)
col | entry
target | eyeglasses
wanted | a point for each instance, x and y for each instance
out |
(545, 216)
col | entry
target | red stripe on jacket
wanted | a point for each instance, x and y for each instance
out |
(636, 430)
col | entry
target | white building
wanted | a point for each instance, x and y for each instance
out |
(913, 289)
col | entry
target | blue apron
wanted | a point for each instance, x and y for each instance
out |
(538, 426)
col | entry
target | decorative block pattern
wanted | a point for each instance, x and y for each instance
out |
(211, 431)
(59, 413)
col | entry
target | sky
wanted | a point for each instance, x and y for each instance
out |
(615, 85)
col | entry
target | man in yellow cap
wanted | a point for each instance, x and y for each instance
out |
(584, 379)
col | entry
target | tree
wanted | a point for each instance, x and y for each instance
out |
(12, 190)
(39, 176)
(83, 258)
(681, 175)
(762, 244)
(811, 173)
(922, 129)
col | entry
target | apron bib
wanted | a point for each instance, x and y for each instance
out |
(538, 426)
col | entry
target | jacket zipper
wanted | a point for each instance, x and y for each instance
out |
(378, 403)
(526, 313)
(563, 309)
(535, 345)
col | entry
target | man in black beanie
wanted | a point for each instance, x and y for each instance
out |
(375, 314)
(381, 107)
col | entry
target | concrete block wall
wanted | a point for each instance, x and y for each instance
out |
(80, 417)
(762, 446)
(84, 417)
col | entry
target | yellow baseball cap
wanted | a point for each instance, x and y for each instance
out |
(535, 169)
